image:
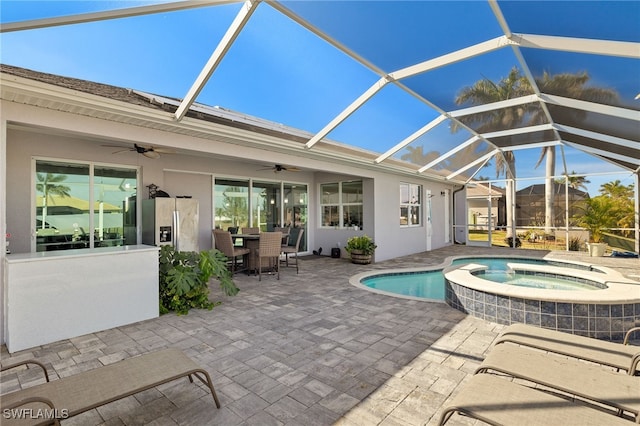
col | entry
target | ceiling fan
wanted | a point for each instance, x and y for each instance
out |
(149, 152)
(280, 168)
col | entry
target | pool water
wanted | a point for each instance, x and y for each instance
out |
(536, 281)
(427, 285)
(430, 284)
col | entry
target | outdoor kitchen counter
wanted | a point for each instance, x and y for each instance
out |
(50, 296)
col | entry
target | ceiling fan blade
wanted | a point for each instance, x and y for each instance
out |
(122, 150)
(163, 150)
(151, 154)
(291, 169)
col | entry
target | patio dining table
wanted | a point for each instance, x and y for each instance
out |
(252, 242)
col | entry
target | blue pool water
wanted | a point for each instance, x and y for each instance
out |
(430, 284)
(427, 285)
(536, 281)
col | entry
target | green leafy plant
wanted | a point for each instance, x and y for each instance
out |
(575, 243)
(362, 244)
(184, 277)
(597, 216)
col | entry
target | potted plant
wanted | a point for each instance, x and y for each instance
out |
(595, 218)
(361, 249)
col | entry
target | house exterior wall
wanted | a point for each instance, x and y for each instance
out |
(30, 131)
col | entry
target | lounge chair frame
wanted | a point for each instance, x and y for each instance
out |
(94, 388)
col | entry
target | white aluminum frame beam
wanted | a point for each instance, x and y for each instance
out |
(368, 94)
(109, 14)
(223, 47)
(517, 131)
(451, 58)
(601, 153)
(451, 152)
(597, 136)
(626, 113)
(494, 105)
(432, 124)
(482, 159)
(623, 49)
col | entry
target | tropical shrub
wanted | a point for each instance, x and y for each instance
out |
(184, 277)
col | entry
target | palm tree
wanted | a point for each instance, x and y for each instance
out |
(575, 181)
(486, 91)
(515, 85)
(616, 189)
(570, 86)
(48, 185)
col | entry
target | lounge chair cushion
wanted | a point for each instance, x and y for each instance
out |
(496, 400)
(592, 382)
(617, 355)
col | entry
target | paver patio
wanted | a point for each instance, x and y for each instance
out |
(309, 349)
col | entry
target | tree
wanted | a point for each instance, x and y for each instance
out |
(515, 85)
(575, 181)
(622, 203)
(486, 91)
(48, 185)
(596, 216)
(571, 86)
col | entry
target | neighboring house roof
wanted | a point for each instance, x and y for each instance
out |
(482, 190)
(538, 190)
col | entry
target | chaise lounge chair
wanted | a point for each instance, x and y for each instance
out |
(73, 395)
(497, 401)
(616, 355)
(590, 382)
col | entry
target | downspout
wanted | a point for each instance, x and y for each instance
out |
(453, 210)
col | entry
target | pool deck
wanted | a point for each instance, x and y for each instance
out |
(310, 349)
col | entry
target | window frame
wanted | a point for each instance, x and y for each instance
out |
(340, 205)
(92, 165)
(412, 188)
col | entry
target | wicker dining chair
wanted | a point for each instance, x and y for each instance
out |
(249, 231)
(224, 243)
(293, 247)
(269, 247)
(285, 233)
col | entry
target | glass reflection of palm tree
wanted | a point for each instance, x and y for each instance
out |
(49, 185)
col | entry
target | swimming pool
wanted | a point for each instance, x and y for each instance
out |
(431, 284)
(573, 297)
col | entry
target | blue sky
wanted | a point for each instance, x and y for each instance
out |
(280, 72)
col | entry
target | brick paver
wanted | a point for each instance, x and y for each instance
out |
(309, 349)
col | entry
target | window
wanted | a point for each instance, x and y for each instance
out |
(231, 203)
(82, 205)
(265, 205)
(271, 204)
(341, 204)
(410, 204)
